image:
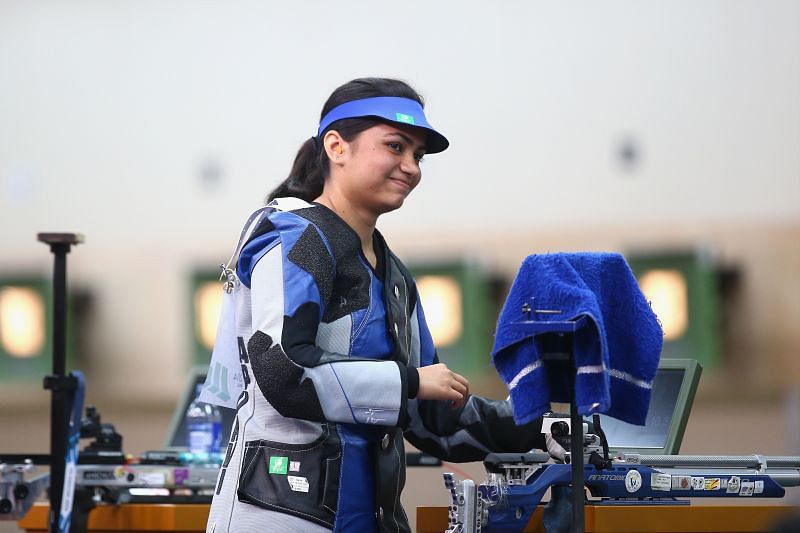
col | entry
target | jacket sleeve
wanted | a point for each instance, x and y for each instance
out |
(480, 427)
(289, 269)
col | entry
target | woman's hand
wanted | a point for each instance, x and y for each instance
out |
(437, 382)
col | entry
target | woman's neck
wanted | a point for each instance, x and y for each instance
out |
(361, 221)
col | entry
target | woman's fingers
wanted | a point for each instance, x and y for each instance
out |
(437, 382)
(459, 387)
(464, 382)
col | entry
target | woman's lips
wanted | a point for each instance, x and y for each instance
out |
(402, 183)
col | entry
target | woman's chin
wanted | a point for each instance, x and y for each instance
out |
(389, 204)
(393, 206)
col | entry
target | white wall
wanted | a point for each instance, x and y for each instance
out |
(108, 110)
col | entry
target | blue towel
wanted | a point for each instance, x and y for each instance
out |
(616, 354)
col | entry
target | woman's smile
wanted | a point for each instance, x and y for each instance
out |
(401, 183)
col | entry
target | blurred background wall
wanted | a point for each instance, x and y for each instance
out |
(155, 128)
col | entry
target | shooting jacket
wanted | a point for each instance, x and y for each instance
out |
(330, 348)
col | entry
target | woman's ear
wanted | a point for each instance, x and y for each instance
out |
(334, 145)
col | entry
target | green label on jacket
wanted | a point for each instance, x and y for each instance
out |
(278, 465)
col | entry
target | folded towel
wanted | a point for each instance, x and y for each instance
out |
(616, 354)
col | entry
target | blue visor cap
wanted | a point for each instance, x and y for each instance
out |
(394, 109)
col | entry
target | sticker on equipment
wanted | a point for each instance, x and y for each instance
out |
(747, 488)
(698, 483)
(633, 481)
(734, 483)
(681, 482)
(759, 487)
(712, 483)
(294, 466)
(660, 481)
(297, 483)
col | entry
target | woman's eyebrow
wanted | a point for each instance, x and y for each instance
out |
(407, 139)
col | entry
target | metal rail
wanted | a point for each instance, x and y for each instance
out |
(736, 461)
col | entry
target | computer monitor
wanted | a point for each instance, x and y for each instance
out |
(670, 403)
(176, 438)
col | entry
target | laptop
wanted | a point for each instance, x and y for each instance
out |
(671, 401)
(176, 437)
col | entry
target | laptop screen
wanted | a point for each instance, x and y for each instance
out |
(176, 437)
(670, 403)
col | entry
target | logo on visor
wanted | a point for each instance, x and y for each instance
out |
(402, 117)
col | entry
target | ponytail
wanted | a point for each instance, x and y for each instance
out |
(307, 177)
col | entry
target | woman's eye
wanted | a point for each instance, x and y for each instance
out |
(396, 146)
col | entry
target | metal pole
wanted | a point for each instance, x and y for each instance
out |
(60, 308)
(58, 407)
(58, 382)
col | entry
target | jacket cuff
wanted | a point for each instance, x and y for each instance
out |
(403, 417)
(412, 379)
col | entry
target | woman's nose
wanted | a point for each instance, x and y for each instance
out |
(410, 165)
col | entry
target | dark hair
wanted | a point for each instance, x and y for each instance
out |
(311, 164)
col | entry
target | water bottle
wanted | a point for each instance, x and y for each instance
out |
(216, 430)
(203, 429)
